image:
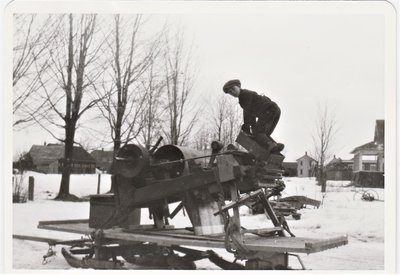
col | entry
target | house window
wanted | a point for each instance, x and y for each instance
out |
(301, 163)
(301, 171)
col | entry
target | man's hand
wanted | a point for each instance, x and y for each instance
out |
(246, 129)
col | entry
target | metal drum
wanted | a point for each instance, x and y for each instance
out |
(177, 155)
(131, 160)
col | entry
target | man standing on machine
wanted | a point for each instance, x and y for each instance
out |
(260, 114)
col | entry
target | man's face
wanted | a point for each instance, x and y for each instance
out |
(234, 91)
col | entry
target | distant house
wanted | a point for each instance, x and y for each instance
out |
(306, 166)
(290, 169)
(338, 169)
(103, 159)
(369, 160)
(50, 158)
(370, 156)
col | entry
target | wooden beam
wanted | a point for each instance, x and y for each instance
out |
(35, 238)
(252, 146)
(166, 188)
(254, 243)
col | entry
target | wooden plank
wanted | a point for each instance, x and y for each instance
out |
(64, 222)
(150, 193)
(263, 230)
(294, 244)
(35, 238)
(72, 226)
(252, 146)
(326, 244)
(236, 216)
(147, 227)
(188, 235)
(255, 243)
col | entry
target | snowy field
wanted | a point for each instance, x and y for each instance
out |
(341, 213)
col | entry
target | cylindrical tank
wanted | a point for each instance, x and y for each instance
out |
(174, 153)
(130, 161)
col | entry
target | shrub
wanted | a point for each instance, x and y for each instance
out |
(19, 191)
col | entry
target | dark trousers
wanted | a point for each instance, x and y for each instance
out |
(267, 122)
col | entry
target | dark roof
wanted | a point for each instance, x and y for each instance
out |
(103, 159)
(339, 160)
(46, 154)
(334, 160)
(348, 160)
(379, 136)
(99, 154)
(367, 146)
(290, 165)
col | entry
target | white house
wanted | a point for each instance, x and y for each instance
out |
(306, 166)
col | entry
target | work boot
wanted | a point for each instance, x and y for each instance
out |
(277, 148)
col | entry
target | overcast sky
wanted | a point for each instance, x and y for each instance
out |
(299, 60)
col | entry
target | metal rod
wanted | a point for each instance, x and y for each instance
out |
(183, 160)
(50, 241)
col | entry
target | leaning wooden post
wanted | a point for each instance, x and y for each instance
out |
(98, 183)
(31, 188)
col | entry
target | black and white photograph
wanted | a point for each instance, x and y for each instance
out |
(199, 135)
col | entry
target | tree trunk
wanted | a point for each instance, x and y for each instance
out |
(323, 180)
(117, 146)
(63, 193)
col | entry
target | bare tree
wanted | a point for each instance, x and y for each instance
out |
(219, 115)
(124, 98)
(32, 36)
(153, 85)
(203, 137)
(226, 120)
(179, 81)
(325, 128)
(233, 121)
(68, 84)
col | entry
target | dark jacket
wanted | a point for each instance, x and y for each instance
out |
(255, 106)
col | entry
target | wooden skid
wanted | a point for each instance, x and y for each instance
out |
(253, 147)
(186, 237)
(300, 201)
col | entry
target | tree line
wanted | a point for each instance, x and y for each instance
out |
(72, 72)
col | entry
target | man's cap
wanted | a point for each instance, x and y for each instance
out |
(230, 84)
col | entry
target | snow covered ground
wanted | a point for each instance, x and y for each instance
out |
(342, 213)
